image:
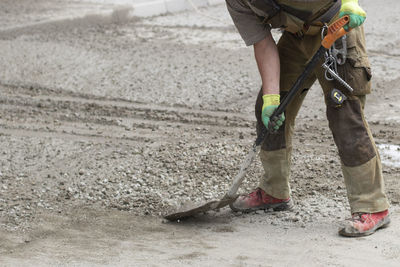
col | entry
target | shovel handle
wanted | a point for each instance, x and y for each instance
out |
(237, 181)
(335, 31)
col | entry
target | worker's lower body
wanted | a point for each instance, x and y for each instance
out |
(360, 162)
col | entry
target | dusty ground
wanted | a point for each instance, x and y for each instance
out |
(107, 122)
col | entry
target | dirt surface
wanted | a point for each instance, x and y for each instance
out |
(108, 122)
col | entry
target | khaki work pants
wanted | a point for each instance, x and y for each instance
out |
(361, 165)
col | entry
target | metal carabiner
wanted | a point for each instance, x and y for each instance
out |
(330, 63)
(324, 31)
(340, 54)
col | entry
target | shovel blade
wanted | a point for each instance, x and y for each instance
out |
(193, 210)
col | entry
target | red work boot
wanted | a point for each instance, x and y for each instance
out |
(362, 224)
(259, 200)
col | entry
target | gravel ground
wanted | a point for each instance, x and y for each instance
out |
(107, 119)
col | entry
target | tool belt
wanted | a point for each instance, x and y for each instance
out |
(299, 17)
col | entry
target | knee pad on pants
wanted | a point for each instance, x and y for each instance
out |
(350, 132)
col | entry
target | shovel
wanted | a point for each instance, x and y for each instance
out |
(334, 32)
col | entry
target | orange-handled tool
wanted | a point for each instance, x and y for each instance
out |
(335, 31)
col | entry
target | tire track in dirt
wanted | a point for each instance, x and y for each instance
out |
(31, 110)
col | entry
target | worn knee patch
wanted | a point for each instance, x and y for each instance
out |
(350, 132)
(275, 141)
(272, 141)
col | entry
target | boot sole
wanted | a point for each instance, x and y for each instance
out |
(382, 224)
(275, 207)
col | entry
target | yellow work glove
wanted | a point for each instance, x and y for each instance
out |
(356, 13)
(271, 102)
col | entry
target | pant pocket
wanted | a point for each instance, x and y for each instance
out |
(356, 72)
